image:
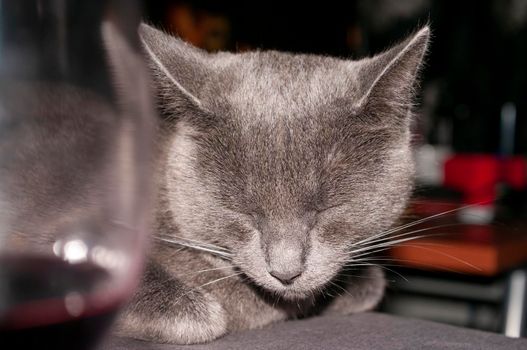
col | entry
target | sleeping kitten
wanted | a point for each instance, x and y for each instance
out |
(276, 171)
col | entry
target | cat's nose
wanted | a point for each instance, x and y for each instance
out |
(288, 276)
(285, 260)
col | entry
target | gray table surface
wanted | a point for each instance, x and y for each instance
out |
(361, 331)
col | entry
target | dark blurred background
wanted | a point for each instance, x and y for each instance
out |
(477, 61)
(470, 134)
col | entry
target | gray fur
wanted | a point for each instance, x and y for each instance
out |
(284, 160)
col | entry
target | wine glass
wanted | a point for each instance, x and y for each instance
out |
(76, 127)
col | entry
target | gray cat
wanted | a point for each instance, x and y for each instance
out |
(276, 171)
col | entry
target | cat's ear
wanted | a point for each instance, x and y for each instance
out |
(132, 89)
(178, 67)
(387, 81)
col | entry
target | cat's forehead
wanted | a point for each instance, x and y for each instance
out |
(281, 85)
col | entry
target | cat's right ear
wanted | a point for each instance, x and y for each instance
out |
(178, 68)
(387, 81)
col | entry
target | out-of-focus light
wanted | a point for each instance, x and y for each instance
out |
(106, 258)
(74, 303)
(57, 248)
(75, 251)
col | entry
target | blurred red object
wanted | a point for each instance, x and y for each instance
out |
(514, 172)
(476, 175)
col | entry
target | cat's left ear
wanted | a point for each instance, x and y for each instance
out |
(387, 81)
(178, 68)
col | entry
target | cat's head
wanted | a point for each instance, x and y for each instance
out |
(289, 161)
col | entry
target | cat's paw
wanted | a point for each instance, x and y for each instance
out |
(361, 293)
(165, 310)
(198, 321)
(204, 321)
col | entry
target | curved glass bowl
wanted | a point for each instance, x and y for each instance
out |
(76, 124)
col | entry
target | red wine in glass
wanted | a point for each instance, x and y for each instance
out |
(53, 304)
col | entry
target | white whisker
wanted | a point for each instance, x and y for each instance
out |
(355, 276)
(387, 238)
(387, 244)
(207, 270)
(204, 244)
(444, 254)
(382, 267)
(208, 283)
(413, 223)
(219, 253)
(341, 288)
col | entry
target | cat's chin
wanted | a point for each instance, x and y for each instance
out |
(293, 295)
(288, 293)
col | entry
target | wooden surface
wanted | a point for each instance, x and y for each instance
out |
(484, 250)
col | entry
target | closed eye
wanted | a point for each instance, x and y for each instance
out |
(328, 208)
